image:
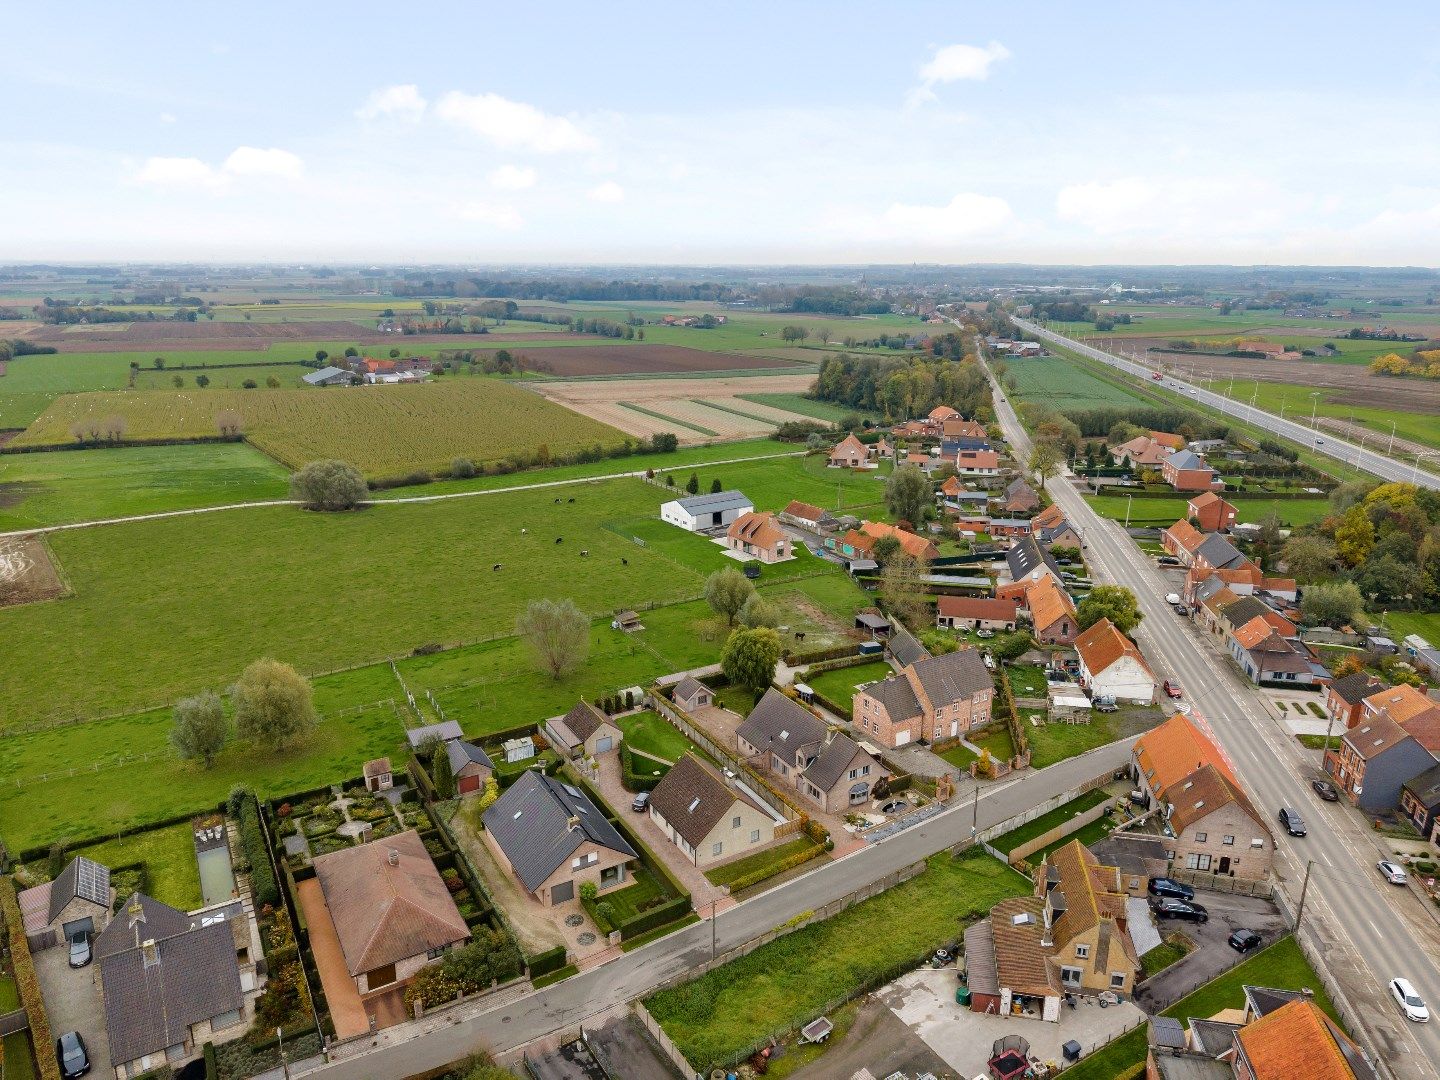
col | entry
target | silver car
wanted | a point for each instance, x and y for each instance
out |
(1391, 872)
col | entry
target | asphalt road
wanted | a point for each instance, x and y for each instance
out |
(636, 973)
(1377, 464)
(1370, 932)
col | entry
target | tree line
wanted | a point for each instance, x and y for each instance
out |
(902, 386)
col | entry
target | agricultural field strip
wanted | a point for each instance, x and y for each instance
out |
(638, 474)
(668, 416)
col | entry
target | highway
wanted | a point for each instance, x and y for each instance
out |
(1368, 931)
(1352, 454)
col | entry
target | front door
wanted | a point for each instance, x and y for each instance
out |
(1224, 864)
(562, 893)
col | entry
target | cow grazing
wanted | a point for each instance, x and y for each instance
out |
(624, 561)
(559, 539)
(571, 500)
(799, 635)
(524, 532)
(584, 553)
(496, 566)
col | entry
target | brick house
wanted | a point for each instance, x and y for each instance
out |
(1374, 760)
(1020, 497)
(781, 734)
(759, 536)
(470, 765)
(1184, 470)
(841, 776)
(849, 453)
(937, 698)
(1086, 912)
(975, 613)
(912, 544)
(806, 516)
(710, 821)
(1141, 452)
(584, 731)
(1181, 540)
(1051, 611)
(1345, 698)
(1210, 512)
(1266, 657)
(977, 463)
(1420, 799)
(76, 902)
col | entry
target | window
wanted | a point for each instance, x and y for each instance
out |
(754, 836)
(854, 773)
(1201, 837)
(226, 1019)
(1082, 951)
(1228, 841)
(735, 822)
(1257, 842)
(1117, 980)
(435, 954)
(715, 849)
(1070, 976)
(584, 861)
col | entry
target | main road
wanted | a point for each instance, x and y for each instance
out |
(1356, 456)
(1368, 931)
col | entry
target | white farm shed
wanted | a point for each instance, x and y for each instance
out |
(700, 512)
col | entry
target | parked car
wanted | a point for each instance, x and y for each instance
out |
(1164, 886)
(641, 802)
(1392, 872)
(1168, 560)
(70, 1053)
(1172, 598)
(80, 954)
(1172, 689)
(1325, 790)
(1293, 822)
(1166, 907)
(1244, 940)
(1181, 609)
(1411, 1003)
(1105, 706)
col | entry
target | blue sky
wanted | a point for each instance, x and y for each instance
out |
(745, 132)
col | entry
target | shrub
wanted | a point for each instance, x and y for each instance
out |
(462, 468)
(23, 968)
(262, 875)
(329, 485)
(763, 873)
(588, 890)
(489, 957)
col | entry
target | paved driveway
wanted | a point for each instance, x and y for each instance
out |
(341, 994)
(73, 1003)
(1214, 956)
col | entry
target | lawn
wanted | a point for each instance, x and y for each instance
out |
(9, 995)
(784, 984)
(961, 756)
(628, 902)
(652, 734)
(168, 854)
(1008, 842)
(1282, 966)
(738, 699)
(1089, 834)
(771, 485)
(995, 738)
(18, 1060)
(761, 860)
(85, 485)
(1172, 950)
(839, 684)
(1248, 509)
(1050, 743)
(1401, 624)
(1028, 681)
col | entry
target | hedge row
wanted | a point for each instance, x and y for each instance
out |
(29, 986)
(262, 874)
(546, 962)
(659, 915)
(813, 656)
(632, 780)
(764, 873)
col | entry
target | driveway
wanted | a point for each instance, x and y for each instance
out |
(622, 1047)
(73, 1003)
(341, 994)
(1213, 956)
(618, 799)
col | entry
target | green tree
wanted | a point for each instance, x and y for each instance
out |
(558, 634)
(886, 548)
(1354, 536)
(715, 487)
(664, 442)
(1045, 461)
(1309, 558)
(177, 381)
(272, 382)
(749, 657)
(1011, 646)
(908, 495)
(1113, 602)
(727, 591)
(202, 380)
(759, 612)
(329, 485)
(321, 356)
(158, 363)
(199, 729)
(1331, 604)
(902, 591)
(441, 775)
(693, 484)
(273, 704)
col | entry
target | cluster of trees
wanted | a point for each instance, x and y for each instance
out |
(94, 429)
(1063, 311)
(901, 387)
(1421, 364)
(1378, 548)
(19, 347)
(1094, 423)
(831, 301)
(500, 362)
(753, 648)
(1109, 322)
(271, 706)
(556, 288)
(1383, 333)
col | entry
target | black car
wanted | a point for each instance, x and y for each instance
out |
(1293, 822)
(1164, 886)
(71, 1055)
(1325, 790)
(1244, 940)
(1166, 907)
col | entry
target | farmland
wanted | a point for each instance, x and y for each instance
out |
(1372, 400)
(1058, 382)
(84, 485)
(383, 430)
(1289, 512)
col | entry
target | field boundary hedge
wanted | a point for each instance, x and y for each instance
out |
(27, 983)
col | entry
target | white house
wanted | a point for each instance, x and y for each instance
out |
(700, 512)
(1111, 665)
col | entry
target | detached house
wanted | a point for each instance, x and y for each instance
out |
(842, 776)
(849, 453)
(759, 536)
(1210, 512)
(784, 735)
(1141, 452)
(1184, 470)
(1020, 497)
(584, 731)
(937, 698)
(1111, 665)
(977, 463)
(706, 818)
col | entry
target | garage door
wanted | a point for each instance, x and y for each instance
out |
(562, 893)
(86, 926)
(604, 743)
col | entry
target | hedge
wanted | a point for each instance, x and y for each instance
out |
(800, 858)
(647, 858)
(262, 874)
(656, 917)
(31, 1000)
(555, 976)
(212, 1070)
(813, 656)
(546, 962)
(632, 780)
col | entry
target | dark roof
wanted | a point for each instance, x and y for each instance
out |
(780, 723)
(444, 731)
(1266, 999)
(873, 620)
(689, 686)
(832, 762)
(1186, 459)
(1213, 1037)
(583, 719)
(1219, 552)
(1166, 1031)
(905, 648)
(192, 976)
(82, 878)
(896, 694)
(692, 798)
(532, 824)
(1243, 610)
(462, 753)
(960, 674)
(1355, 687)
(1026, 556)
(1425, 788)
(715, 503)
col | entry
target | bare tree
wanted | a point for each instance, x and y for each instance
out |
(77, 431)
(114, 428)
(558, 634)
(229, 422)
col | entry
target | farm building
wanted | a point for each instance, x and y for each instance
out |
(701, 512)
(975, 613)
(328, 376)
(806, 516)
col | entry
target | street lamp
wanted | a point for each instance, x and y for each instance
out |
(1391, 448)
(1314, 407)
(1415, 472)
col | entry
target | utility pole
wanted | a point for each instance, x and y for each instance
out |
(1129, 501)
(975, 814)
(1304, 888)
(1391, 448)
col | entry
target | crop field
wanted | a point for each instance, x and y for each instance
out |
(1058, 382)
(85, 485)
(804, 406)
(383, 430)
(570, 356)
(1372, 400)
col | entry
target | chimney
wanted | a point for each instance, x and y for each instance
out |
(394, 857)
(135, 911)
(573, 822)
(150, 953)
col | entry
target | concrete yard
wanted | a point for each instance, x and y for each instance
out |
(73, 1003)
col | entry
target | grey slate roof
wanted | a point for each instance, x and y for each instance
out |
(1167, 1032)
(445, 731)
(693, 799)
(531, 823)
(688, 687)
(1243, 610)
(1263, 1000)
(780, 724)
(905, 648)
(896, 695)
(582, 719)
(194, 977)
(1026, 556)
(1186, 459)
(1426, 788)
(956, 675)
(832, 762)
(1356, 687)
(462, 753)
(716, 503)
(1213, 1037)
(1208, 588)
(325, 373)
(1219, 552)
(81, 878)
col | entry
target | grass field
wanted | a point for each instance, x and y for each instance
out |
(1008, 842)
(771, 485)
(383, 430)
(1166, 511)
(17, 1058)
(1418, 427)
(651, 734)
(1056, 381)
(1425, 623)
(799, 403)
(786, 982)
(85, 485)
(223, 378)
(1050, 743)
(171, 869)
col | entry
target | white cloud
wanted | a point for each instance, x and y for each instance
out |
(513, 178)
(512, 124)
(250, 161)
(952, 63)
(500, 215)
(178, 172)
(1115, 206)
(404, 102)
(167, 118)
(966, 215)
(608, 192)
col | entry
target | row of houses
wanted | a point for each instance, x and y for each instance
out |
(1387, 754)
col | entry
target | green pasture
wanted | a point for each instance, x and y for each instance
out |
(1420, 427)
(1167, 511)
(1057, 382)
(231, 378)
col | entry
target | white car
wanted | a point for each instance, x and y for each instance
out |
(1410, 1002)
(1391, 872)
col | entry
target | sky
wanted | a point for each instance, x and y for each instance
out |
(743, 133)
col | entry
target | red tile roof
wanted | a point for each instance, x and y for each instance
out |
(1101, 645)
(976, 607)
